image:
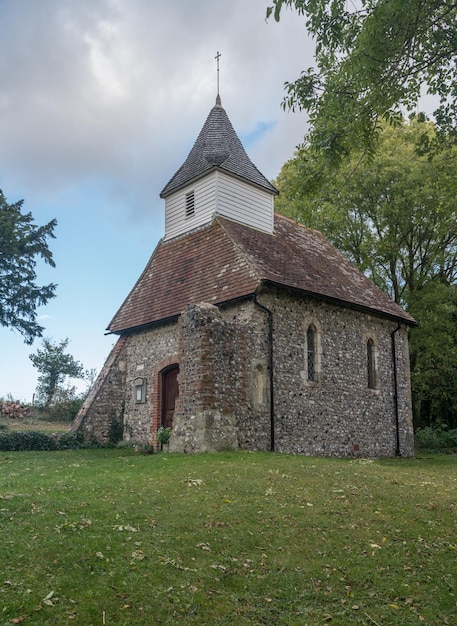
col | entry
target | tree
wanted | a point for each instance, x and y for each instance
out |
(21, 243)
(55, 366)
(433, 348)
(374, 60)
(395, 216)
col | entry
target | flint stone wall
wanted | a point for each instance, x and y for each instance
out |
(338, 414)
(224, 381)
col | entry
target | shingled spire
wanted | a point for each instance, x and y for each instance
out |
(217, 147)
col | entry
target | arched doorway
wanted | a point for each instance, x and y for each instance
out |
(170, 391)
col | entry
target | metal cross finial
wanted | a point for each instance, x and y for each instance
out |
(217, 57)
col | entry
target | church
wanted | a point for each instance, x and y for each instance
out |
(247, 330)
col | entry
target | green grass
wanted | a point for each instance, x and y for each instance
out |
(111, 537)
(33, 422)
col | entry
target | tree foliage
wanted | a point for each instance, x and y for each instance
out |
(433, 349)
(55, 366)
(21, 243)
(374, 60)
(395, 216)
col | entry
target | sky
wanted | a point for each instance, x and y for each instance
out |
(100, 103)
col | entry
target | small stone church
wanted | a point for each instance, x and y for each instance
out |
(249, 331)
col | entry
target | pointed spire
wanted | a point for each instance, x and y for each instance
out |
(217, 146)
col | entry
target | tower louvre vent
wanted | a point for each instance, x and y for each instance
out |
(190, 204)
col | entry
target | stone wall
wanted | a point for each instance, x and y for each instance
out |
(112, 404)
(145, 351)
(337, 414)
(224, 381)
(102, 415)
(218, 354)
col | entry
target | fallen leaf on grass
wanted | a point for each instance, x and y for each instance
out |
(221, 567)
(193, 482)
(137, 555)
(125, 527)
(18, 620)
(48, 600)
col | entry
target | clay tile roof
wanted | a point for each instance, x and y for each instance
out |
(217, 147)
(226, 260)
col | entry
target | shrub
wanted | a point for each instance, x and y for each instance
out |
(15, 441)
(70, 441)
(65, 410)
(437, 437)
(163, 435)
(28, 440)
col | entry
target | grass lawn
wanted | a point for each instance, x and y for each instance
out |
(95, 537)
(34, 423)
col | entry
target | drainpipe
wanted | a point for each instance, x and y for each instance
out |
(397, 419)
(270, 367)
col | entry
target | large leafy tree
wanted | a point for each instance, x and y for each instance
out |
(22, 243)
(374, 59)
(395, 216)
(55, 366)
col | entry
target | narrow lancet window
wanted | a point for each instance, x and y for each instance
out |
(371, 364)
(311, 352)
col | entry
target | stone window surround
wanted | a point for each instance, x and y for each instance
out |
(139, 385)
(311, 321)
(374, 387)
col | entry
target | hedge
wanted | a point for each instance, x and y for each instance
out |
(16, 440)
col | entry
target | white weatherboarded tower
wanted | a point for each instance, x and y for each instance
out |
(217, 178)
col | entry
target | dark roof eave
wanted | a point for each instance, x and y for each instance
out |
(165, 194)
(344, 303)
(135, 329)
(173, 318)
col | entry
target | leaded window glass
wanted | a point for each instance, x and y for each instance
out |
(311, 352)
(371, 367)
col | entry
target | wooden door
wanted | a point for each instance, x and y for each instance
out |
(170, 392)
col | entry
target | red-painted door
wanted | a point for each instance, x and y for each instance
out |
(170, 392)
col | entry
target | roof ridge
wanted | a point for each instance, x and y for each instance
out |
(295, 222)
(132, 290)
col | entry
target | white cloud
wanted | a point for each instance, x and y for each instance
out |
(100, 102)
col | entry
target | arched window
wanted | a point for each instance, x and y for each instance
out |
(311, 348)
(260, 384)
(371, 364)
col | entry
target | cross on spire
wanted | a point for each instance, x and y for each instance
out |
(217, 57)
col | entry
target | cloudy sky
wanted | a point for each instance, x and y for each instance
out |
(100, 103)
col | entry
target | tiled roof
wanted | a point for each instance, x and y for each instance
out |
(217, 147)
(227, 260)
